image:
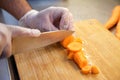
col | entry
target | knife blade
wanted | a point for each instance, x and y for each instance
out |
(22, 44)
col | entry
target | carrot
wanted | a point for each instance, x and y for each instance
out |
(74, 46)
(78, 40)
(67, 40)
(70, 55)
(86, 69)
(94, 69)
(114, 18)
(118, 30)
(80, 59)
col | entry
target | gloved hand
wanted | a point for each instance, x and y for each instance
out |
(50, 19)
(7, 32)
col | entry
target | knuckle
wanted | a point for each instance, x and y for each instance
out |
(8, 55)
(7, 50)
(66, 9)
(3, 37)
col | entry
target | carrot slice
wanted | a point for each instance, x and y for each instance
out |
(70, 55)
(67, 40)
(94, 69)
(78, 40)
(80, 59)
(114, 18)
(74, 46)
(86, 69)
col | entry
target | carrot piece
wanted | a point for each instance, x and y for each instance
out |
(118, 30)
(80, 59)
(67, 40)
(78, 40)
(74, 46)
(114, 18)
(70, 55)
(86, 69)
(94, 69)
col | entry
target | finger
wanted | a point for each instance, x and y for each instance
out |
(2, 42)
(71, 26)
(21, 31)
(66, 22)
(61, 17)
(48, 27)
(53, 28)
(7, 50)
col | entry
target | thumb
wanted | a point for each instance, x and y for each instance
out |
(21, 31)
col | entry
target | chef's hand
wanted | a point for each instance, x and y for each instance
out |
(50, 19)
(7, 32)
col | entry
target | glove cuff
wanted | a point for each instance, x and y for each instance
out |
(25, 20)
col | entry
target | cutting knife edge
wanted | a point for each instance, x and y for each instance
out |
(22, 44)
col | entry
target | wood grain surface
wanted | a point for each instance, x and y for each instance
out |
(50, 63)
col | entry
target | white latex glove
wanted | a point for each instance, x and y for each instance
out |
(49, 19)
(7, 32)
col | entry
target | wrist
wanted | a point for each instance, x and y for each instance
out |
(27, 18)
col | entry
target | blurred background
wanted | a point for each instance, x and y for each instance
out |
(81, 10)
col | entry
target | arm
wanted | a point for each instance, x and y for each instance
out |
(15, 7)
(50, 19)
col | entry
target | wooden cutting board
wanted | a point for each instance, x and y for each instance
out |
(51, 63)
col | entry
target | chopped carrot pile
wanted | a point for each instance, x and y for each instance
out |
(74, 47)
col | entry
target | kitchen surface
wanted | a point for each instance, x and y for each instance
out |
(82, 10)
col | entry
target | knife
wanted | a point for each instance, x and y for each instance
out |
(22, 44)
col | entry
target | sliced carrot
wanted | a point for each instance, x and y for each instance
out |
(78, 40)
(80, 59)
(118, 29)
(94, 69)
(67, 40)
(86, 69)
(74, 46)
(114, 18)
(70, 55)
